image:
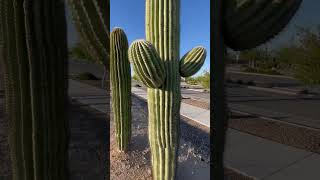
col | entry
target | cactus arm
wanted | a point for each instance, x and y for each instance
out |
(192, 61)
(259, 21)
(147, 63)
(120, 77)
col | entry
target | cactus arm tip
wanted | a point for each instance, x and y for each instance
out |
(192, 61)
(147, 63)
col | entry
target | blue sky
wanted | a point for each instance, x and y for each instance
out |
(195, 23)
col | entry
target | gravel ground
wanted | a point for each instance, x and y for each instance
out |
(194, 153)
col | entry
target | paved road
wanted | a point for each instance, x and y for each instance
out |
(295, 109)
(275, 80)
(298, 109)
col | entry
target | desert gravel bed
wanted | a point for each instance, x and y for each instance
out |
(194, 148)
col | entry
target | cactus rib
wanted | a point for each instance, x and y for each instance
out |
(192, 61)
(121, 87)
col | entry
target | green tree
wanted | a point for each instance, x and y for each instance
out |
(135, 77)
(303, 59)
(252, 56)
(204, 80)
(80, 52)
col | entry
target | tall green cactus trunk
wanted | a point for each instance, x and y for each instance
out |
(156, 62)
(163, 31)
(120, 76)
(34, 55)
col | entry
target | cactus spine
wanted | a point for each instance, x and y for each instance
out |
(245, 24)
(156, 62)
(34, 55)
(120, 74)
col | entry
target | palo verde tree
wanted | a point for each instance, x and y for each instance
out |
(33, 44)
(240, 25)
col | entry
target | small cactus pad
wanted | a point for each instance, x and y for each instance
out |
(192, 61)
(250, 23)
(147, 63)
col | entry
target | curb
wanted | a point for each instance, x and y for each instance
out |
(183, 116)
(234, 174)
(258, 74)
(272, 90)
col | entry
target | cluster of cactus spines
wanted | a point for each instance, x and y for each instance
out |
(192, 61)
(161, 49)
(34, 55)
(260, 20)
(148, 65)
(90, 17)
(120, 76)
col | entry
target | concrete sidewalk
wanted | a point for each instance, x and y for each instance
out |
(268, 160)
(199, 115)
(249, 154)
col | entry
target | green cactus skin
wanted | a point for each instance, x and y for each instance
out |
(147, 63)
(162, 38)
(121, 87)
(92, 23)
(192, 61)
(259, 21)
(34, 54)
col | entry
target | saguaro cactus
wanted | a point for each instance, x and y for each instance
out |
(90, 17)
(120, 73)
(92, 23)
(34, 54)
(239, 24)
(156, 62)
